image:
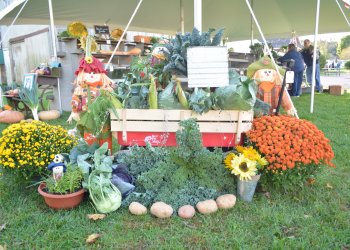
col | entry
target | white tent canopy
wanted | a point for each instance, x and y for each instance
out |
(278, 18)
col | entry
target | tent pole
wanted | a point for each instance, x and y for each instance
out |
(269, 51)
(198, 14)
(251, 25)
(346, 19)
(314, 58)
(124, 32)
(182, 17)
(53, 37)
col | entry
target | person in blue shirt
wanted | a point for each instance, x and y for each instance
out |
(307, 53)
(298, 68)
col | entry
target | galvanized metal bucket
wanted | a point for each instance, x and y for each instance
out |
(246, 189)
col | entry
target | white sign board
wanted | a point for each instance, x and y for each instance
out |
(207, 67)
(290, 77)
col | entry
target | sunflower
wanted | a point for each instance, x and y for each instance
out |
(117, 33)
(228, 160)
(88, 59)
(251, 153)
(262, 161)
(240, 149)
(77, 29)
(243, 167)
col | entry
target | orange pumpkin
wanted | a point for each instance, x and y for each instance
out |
(11, 116)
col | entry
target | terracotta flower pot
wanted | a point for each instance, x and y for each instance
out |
(61, 201)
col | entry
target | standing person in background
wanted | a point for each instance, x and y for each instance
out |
(298, 68)
(307, 53)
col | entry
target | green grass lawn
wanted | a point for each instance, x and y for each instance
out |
(316, 217)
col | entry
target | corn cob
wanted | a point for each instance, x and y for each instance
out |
(152, 95)
(181, 95)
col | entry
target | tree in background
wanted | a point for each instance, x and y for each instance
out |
(345, 54)
(328, 49)
(343, 49)
(323, 61)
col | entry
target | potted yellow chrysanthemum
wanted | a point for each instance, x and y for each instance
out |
(246, 165)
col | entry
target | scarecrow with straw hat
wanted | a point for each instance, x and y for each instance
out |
(91, 75)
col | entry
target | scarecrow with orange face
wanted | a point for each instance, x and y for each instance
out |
(270, 85)
(91, 78)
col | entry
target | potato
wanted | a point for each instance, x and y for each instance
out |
(161, 210)
(136, 208)
(207, 207)
(186, 212)
(226, 201)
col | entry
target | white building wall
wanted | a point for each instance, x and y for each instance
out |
(14, 31)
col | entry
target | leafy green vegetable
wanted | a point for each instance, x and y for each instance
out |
(239, 95)
(200, 101)
(94, 119)
(105, 196)
(30, 96)
(218, 37)
(133, 95)
(261, 108)
(142, 159)
(180, 175)
(167, 99)
(81, 149)
(177, 56)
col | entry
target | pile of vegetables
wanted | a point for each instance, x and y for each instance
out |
(142, 90)
(178, 175)
(239, 95)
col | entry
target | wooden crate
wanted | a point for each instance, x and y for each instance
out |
(158, 127)
(142, 39)
(336, 90)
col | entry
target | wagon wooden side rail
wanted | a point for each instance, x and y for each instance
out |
(158, 127)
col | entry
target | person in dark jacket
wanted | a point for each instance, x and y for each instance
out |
(298, 68)
(307, 53)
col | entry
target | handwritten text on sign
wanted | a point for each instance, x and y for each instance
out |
(101, 29)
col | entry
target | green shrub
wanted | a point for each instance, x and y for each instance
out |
(347, 65)
(323, 61)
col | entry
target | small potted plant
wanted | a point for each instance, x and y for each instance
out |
(247, 165)
(62, 190)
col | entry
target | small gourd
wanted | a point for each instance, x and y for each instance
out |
(49, 115)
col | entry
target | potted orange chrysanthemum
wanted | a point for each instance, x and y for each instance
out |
(294, 148)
